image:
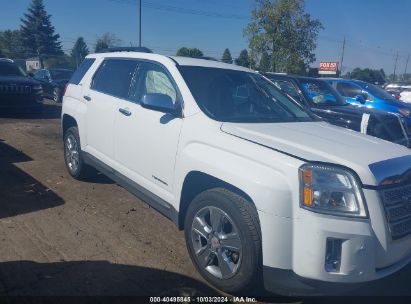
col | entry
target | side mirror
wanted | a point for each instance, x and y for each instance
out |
(158, 102)
(47, 78)
(361, 98)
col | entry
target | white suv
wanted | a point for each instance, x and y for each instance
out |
(262, 189)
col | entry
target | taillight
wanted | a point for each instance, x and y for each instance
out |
(65, 89)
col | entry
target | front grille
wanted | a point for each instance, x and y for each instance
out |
(397, 205)
(13, 89)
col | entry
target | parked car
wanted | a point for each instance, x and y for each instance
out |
(323, 100)
(364, 94)
(17, 90)
(261, 187)
(406, 95)
(53, 82)
(397, 85)
(396, 93)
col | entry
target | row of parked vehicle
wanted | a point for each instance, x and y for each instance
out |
(265, 190)
(19, 89)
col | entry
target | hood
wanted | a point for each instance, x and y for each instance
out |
(18, 80)
(320, 141)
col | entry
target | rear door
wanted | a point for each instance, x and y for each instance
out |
(146, 141)
(109, 85)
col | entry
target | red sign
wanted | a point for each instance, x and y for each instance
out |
(328, 67)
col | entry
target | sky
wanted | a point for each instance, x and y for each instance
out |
(375, 30)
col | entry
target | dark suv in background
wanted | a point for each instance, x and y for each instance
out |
(17, 89)
(324, 101)
(53, 81)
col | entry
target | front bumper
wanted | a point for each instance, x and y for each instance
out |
(367, 251)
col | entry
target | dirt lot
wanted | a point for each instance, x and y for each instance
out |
(59, 236)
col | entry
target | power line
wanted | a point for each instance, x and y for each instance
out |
(182, 10)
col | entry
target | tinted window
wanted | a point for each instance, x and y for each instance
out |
(237, 96)
(11, 69)
(81, 71)
(377, 91)
(348, 89)
(288, 88)
(61, 74)
(320, 93)
(114, 77)
(152, 78)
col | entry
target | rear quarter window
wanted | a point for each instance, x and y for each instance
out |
(81, 71)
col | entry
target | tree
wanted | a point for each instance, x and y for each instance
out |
(106, 41)
(286, 32)
(367, 75)
(265, 63)
(11, 44)
(243, 59)
(79, 51)
(227, 56)
(189, 52)
(37, 32)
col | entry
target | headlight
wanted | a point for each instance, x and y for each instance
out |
(331, 190)
(404, 112)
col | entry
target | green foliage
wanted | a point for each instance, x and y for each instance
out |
(367, 75)
(11, 44)
(227, 56)
(243, 59)
(37, 32)
(106, 41)
(286, 32)
(79, 51)
(265, 63)
(189, 52)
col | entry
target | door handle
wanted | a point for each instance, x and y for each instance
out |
(125, 112)
(88, 98)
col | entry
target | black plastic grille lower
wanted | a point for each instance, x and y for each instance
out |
(14, 89)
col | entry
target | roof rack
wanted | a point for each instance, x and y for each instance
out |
(126, 49)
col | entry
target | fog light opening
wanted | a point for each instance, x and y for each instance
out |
(333, 255)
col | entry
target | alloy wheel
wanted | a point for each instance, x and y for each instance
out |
(216, 242)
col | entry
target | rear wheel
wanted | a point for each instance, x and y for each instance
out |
(224, 240)
(72, 154)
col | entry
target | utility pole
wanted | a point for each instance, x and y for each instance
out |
(139, 36)
(406, 65)
(395, 66)
(342, 57)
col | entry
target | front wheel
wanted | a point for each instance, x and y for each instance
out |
(223, 238)
(73, 156)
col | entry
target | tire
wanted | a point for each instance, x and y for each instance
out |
(242, 254)
(57, 95)
(73, 156)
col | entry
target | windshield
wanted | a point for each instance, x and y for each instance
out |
(237, 96)
(320, 93)
(377, 91)
(11, 69)
(61, 74)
